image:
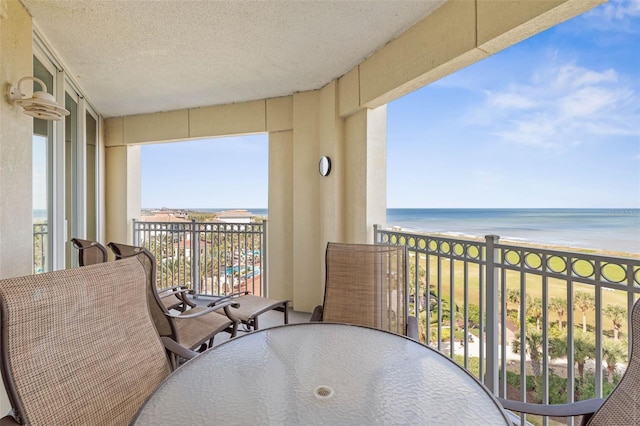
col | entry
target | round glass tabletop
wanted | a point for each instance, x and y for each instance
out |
(321, 373)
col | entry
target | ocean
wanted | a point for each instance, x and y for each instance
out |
(597, 229)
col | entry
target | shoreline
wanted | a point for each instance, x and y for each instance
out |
(507, 241)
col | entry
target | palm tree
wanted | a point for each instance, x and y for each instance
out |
(583, 349)
(584, 301)
(513, 296)
(613, 352)
(559, 305)
(617, 314)
(534, 310)
(534, 349)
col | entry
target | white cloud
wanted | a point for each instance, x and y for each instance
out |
(591, 101)
(615, 15)
(621, 9)
(510, 100)
(573, 77)
(561, 105)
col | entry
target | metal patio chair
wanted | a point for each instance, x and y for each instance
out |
(621, 407)
(365, 285)
(249, 307)
(75, 350)
(89, 252)
(245, 308)
(174, 297)
(195, 328)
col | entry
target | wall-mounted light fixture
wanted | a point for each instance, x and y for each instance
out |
(41, 105)
(324, 166)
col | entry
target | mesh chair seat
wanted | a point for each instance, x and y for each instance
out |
(89, 252)
(194, 332)
(365, 285)
(194, 328)
(250, 307)
(73, 350)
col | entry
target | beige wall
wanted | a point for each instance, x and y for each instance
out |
(365, 174)
(122, 187)
(280, 223)
(16, 232)
(16, 229)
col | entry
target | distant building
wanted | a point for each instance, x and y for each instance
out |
(236, 216)
(164, 217)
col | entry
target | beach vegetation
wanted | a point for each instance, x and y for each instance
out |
(614, 352)
(559, 306)
(617, 314)
(585, 302)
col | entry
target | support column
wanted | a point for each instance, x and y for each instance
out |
(365, 173)
(280, 224)
(340, 207)
(122, 192)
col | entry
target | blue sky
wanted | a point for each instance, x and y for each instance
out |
(553, 121)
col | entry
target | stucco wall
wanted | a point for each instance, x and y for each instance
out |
(16, 229)
(16, 232)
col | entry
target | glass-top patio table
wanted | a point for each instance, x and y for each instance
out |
(321, 373)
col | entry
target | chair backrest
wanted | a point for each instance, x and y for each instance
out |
(365, 285)
(74, 351)
(89, 252)
(622, 406)
(156, 307)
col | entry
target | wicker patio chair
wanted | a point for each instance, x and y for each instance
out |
(74, 351)
(365, 285)
(89, 252)
(621, 407)
(194, 328)
(172, 297)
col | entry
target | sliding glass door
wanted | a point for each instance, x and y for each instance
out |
(65, 172)
(43, 137)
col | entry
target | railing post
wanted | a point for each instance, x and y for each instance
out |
(136, 237)
(491, 333)
(195, 257)
(263, 262)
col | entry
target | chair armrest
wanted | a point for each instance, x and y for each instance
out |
(412, 327)
(578, 408)
(317, 314)
(175, 352)
(175, 288)
(225, 306)
(176, 348)
(168, 292)
(178, 291)
(222, 299)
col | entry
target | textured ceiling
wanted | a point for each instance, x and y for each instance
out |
(140, 56)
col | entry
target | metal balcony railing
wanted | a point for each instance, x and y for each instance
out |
(40, 242)
(560, 317)
(210, 258)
